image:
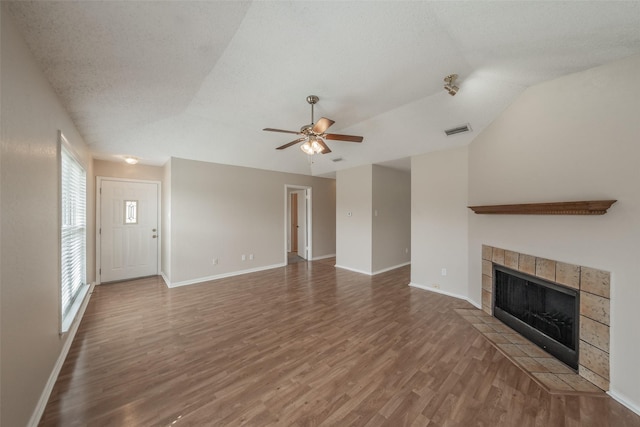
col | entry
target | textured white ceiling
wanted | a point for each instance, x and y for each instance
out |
(200, 79)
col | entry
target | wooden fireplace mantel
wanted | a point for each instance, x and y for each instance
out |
(589, 207)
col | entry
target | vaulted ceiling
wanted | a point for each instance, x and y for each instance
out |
(201, 79)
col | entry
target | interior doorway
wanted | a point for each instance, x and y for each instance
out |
(298, 224)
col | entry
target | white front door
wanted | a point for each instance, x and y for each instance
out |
(128, 229)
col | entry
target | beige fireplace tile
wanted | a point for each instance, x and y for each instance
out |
(553, 365)
(527, 264)
(490, 319)
(517, 339)
(502, 328)
(568, 275)
(498, 256)
(511, 259)
(467, 311)
(483, 327)
(487, 252)
(532, 350)
(487, 309)
(595, 333)
(496, 337)
(511, 349)
(546, 269)
(596, 379)
(594, 307)
(530, 364)
(486, 298)
(487, 283)
(552, 381)
(471, 319)
(594, 359)
(595, 281)
(578, 383)
(487, 268)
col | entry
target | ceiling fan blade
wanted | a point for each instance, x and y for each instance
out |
(322, 125)
(325, 147)
(349, 138)
(282, 147)
(280, 130)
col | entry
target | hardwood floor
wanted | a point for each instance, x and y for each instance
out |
(304, 345)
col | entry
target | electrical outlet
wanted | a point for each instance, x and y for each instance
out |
(244, 257)
(215, 261)
(250, 257)
(406, 250)
(444, 272)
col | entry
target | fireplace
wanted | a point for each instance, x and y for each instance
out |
(592, 288)
(542, 311)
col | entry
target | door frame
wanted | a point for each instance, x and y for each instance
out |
(309, 189)
(99, 180)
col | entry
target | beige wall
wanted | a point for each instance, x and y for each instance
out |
(124, 170)
(354, 195)
(366, 242)
(439, 218)
(31, 116)
(391, 221)
(574, 138)
(221, 211)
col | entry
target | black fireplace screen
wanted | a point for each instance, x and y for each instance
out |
(542, 311)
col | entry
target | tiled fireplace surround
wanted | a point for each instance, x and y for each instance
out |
(593, 285)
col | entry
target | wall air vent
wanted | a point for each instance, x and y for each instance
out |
(458, 129)
(339, 159)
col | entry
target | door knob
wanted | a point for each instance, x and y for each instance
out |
(154, 230)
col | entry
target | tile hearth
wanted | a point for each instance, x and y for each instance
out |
(546, 370)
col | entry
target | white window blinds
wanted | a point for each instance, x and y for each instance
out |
(73, 234)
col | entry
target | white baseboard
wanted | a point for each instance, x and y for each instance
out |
(449, 294)
(624, 400)
(219, 276)
(317, 258)
(368, 273)
(165, 278)
(48, 388)
(384, 270)
(352, 269)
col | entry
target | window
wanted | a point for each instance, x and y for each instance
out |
(130, 211)
(73, 234)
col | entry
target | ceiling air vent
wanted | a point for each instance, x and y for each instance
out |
(458, 129)
(339, 159)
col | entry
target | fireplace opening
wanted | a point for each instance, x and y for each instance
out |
(542, 311)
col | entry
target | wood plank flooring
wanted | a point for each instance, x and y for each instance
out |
(302, 345)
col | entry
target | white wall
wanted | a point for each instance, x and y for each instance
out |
(126, 171)
(354, 196)
(221, 211)
(391, 222)
(165, 228)
(574, 138)
(31, 116)
(439, 218)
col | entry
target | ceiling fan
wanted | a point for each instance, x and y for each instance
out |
(314, 134)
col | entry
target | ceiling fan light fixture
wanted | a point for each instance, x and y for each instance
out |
(315, 145)
(307, 148)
